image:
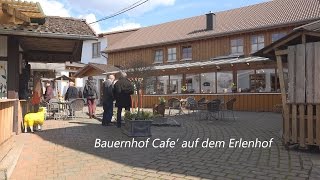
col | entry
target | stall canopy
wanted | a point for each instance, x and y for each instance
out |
(94, 69)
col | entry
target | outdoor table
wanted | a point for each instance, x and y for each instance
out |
(63, 109)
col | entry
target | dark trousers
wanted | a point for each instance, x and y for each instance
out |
(119, 115)
(91, 107)
(107, 112)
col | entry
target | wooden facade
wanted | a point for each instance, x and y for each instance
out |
(261, 102)
(202, 49)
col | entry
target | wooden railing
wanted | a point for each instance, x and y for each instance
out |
(302, 126)
(11, 116)
(244, 101)
(6, 119)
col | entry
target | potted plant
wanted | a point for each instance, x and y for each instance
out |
(161, 107)
(138, 124)
(234, 87)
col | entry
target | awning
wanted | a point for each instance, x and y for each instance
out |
(211, 63)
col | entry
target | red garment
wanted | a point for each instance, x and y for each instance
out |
(35, 98)
(91, 107)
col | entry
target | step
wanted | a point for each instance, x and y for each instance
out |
(8, 163)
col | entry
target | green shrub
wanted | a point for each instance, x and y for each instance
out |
(142, 115)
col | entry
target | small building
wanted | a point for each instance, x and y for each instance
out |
(28, 36)
(98, 72)
(210, 55)
(301, 99)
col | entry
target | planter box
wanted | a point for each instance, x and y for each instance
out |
(137, 128)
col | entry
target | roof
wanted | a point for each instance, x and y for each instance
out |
(22, 11)
(211, 63)
(53, 26)
(94, 69)
(27, 19)
(314, 26)
(276, 13)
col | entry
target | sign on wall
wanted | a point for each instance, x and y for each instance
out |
(3, 79)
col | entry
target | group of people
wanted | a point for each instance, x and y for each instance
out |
(119, 91)
(113, 90)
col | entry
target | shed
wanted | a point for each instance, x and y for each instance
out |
(301, 100)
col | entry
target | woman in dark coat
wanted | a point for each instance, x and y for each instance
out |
(91, 94)
(123, 89)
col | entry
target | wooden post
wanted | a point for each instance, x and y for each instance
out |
(310, 124)
(284, 99)
(13, 67)
(318, 124)
(294, 124)
(302, 126)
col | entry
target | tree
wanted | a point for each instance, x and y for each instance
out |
(138, 72)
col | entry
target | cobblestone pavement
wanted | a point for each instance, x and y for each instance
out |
(65, 150)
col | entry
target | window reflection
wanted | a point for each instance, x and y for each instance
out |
(208, 82)
(192, 83)
(224, 82)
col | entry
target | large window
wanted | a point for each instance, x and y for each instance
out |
(277, 36)
(149, 85)
(243, 80)
(172, 54)
(192, 84)
(162, 84)
(175, 84)
(257, 43)
(208, 82)
(264, 81)
(96, 50)
(224, 82)
(237, 46)
(187, 52)
(158, 56)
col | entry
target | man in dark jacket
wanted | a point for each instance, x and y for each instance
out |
(71, 94)
(90, 93)
(123, 89)
(108, 100)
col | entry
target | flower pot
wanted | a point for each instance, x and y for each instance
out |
(137, 128)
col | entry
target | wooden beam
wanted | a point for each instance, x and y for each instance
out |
(281, 52)
(13, 67)
(312, 33)
(278, 44)
(284, 99)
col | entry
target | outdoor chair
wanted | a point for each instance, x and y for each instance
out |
(202, 104)
(52, 107)
(174, 103)
(230, 107)
(213, 108)
(192, 104)
(76, 105)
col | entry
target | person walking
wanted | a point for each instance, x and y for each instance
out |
(108, 100)
(90, 93)
(71, 94)
(123, 89)
(49, 92)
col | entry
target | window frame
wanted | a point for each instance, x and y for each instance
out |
(172, 54)
(257, 42)
(237, 40)
(96, 52)
(279, 36)
(156, 56)
(188, 52)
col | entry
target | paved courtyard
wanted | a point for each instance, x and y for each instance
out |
(65, 150)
